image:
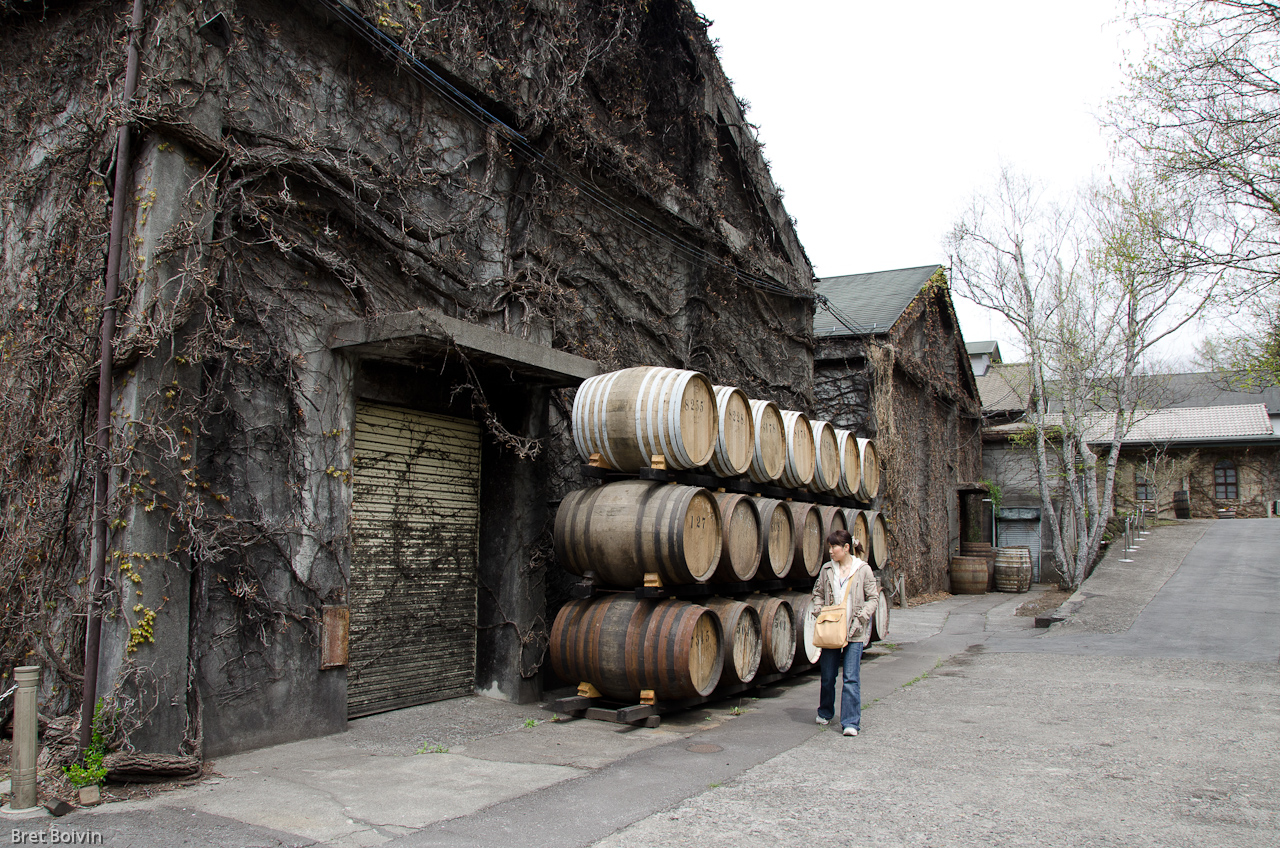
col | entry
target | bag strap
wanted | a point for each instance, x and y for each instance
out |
(844, 601)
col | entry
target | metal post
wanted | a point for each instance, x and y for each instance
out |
(25, 739)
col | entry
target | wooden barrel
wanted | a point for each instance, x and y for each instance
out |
(631, 415)
(778, 528)
(621, 645)
(859, 528)
(826, 468)
(777, 632)
(799, 467)
(850, 464)
(982, 549)
(809, 542)
(622, 530)
(806, 654)
(880, 621)
(770, 454)
(741, 543)
(740, 624)
(968, 575)
(735, 433)
(1013, 569)
(1182, 504)
(869, 465)
(832, 519)
(878, 534)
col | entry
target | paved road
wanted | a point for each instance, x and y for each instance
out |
(1150, 717)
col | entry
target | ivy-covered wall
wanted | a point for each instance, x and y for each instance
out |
(576, 174)
(913, 391)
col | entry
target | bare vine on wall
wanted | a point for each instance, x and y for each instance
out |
(329, 185)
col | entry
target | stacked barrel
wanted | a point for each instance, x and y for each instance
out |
(689, 539)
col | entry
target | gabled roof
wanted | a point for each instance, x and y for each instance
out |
(1004, 388)
(1205, 388)
(1208, 424)
(871, 303)
(975, 348)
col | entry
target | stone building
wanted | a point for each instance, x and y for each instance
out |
(367, 247)
(1200, 439)
(891, 364)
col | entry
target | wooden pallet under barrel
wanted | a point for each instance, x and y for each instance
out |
(589, 703)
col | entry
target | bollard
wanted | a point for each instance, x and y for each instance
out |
(25, 740)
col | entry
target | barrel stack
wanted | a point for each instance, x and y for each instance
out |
(699, 547)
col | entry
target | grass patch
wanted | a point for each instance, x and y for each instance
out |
(427, 748)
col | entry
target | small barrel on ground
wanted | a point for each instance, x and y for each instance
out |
(968, 575)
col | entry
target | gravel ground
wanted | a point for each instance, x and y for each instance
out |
(1038, 738)
(1019, 749)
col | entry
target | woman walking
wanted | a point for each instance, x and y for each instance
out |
(847, 576)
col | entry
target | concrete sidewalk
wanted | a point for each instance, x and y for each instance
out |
(477, 772)
(474, 771)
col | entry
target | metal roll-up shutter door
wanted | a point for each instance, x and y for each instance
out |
(1018, 533)
(412, 595)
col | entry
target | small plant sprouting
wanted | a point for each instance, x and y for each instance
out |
(90, 771)
(736, 710)
(433, 749)
(531, 722)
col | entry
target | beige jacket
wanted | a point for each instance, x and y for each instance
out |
(864, 597)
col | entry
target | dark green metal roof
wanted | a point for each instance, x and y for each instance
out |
(867, 304)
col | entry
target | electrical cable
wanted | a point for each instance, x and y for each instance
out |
(468, 106)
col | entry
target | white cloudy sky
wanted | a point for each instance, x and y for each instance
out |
(881, 120)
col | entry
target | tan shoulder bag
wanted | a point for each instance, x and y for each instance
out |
(831, 630)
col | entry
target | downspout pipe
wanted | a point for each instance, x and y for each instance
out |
(110, 292)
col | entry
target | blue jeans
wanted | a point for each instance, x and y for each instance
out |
(848, 658)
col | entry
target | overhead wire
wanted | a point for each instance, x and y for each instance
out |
(468, 106)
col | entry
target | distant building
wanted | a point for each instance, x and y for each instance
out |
(982, 355)
(890, 363)
(1203, 444)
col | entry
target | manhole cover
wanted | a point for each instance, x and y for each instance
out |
(703, 748)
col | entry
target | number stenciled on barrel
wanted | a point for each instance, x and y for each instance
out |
(694, 405)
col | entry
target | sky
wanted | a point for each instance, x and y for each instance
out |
(882, 120)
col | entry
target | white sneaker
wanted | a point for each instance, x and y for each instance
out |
(823, 721)
(851, 731)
